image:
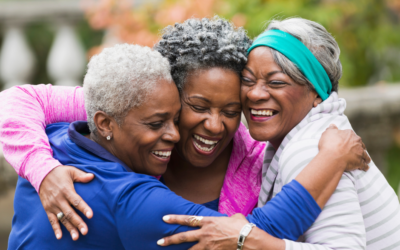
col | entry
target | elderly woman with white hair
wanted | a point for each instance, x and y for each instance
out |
(133, 110)
(289, 94)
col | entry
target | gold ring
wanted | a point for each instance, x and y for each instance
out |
(195, 220)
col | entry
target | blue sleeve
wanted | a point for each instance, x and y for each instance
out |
(139, 216)
(289, 214)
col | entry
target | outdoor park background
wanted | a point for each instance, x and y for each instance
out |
(368, 33)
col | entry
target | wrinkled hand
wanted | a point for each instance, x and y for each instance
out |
(214, 233)
(57, 194)
(347, 145)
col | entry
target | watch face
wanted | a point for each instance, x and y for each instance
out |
(246, 230)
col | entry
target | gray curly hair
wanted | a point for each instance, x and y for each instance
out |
(203, 44)
(319, 41)
(119, 78)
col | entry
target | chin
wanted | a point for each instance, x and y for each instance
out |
(259, 134)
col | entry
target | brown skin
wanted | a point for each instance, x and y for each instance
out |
(265, 86)
(153, 126)
(208, 110)
(188, 169)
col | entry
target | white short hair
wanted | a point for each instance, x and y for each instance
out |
(120, 78)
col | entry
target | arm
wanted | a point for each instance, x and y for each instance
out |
(286, 208)
(340, 225)
(138, 215)
(26, 110)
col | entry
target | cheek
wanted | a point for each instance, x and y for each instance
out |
(188, 121)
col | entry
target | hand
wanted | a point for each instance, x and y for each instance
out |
(345, 145)
(57, 194)
(214, 232)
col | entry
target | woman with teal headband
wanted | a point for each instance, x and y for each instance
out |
(289, 93)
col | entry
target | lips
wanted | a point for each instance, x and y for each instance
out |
(262, 115)
(205, 145)
(163, 155)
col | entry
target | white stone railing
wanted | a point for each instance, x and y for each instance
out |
(66, 61)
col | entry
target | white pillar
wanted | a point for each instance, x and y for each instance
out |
(16, 58)
(67, 60)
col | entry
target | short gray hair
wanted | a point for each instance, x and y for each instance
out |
(119, 78)
(315, 37)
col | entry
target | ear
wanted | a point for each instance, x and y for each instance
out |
(104, 124)
(317, 101)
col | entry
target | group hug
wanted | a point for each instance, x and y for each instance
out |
(151, 153)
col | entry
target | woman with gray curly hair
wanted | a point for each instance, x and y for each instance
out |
(216, 159)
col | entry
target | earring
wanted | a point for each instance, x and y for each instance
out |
(108, 138)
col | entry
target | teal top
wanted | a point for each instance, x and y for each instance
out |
(300, 55)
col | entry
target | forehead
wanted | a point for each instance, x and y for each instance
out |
(261, 58)
(213, 84)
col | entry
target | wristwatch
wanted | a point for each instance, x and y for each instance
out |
(246, 229)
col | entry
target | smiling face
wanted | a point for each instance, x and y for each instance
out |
(273, 103)
(146, 137)
(210, 114)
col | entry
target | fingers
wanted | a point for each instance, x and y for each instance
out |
(71, 229)
(80, 176)
(185, 220)
(332, 126)
(73, 220)
(74, 199)
(55, 225)
(179, 238)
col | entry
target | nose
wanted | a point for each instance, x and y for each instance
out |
(172, 135)
(214, 124)
(258, 93)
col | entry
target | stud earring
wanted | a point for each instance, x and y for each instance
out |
(108, 138)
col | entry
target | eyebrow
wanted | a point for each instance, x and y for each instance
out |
(199, 97)
(268, 74)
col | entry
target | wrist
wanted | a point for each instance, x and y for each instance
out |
(336, 159)
(258, 240)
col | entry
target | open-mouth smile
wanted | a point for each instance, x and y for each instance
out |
(261, 115)
(163, 155)
(204, 145)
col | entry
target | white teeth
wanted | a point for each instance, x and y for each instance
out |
(205, 141)
(203, 148)
(163, 154)
(265, 112)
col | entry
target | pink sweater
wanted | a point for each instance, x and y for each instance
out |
(26, 110)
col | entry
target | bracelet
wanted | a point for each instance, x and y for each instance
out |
(246, 229)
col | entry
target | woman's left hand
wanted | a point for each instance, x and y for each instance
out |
(214, 232)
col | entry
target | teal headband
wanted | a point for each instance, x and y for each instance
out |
(300, 55)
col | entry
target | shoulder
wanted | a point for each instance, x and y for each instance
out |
(57, 131)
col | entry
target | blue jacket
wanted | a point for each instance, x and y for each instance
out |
(128, 207)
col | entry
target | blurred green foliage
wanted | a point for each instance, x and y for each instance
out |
(368, 31)
(393, 160)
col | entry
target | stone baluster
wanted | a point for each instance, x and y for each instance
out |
(16, 58)
(67, 61)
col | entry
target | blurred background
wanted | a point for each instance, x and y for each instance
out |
(45, 41)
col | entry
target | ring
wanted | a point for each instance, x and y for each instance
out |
(195, 220)
(60, 215)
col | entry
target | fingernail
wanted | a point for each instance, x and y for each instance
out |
(74, 235)
(83, 230)
(88, 214)
(166, 218)
(58, 236)
(160, 242)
